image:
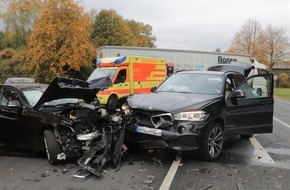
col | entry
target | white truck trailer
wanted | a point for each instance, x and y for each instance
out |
(182, 59)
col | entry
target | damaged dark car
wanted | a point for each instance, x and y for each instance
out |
(192, 111)
(61, 118)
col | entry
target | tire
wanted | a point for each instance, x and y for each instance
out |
(52, 148)
(246, 136)
(213, 142)
(112, 102)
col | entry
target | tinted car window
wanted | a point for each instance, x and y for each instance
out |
(239, 79)
(121, 77)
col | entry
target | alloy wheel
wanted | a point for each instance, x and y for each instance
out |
(215, 142)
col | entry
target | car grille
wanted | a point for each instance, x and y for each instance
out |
(187, 141)
(153, 119)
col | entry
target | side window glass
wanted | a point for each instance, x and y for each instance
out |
(228, 87)
(4, 98)
(257, 87)
(239, 79)
(8, 94)
(121, 77)
(1, 95)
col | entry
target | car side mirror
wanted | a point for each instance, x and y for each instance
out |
(14, 103)
(239, 94)
(153, 89)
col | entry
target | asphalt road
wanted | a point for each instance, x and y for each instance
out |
(263, 162)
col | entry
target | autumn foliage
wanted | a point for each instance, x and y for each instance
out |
(109, 28)
(57, 38)
(60, 42)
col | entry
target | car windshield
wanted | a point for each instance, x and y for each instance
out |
(33, 94)
(195, 83)
(102, 72)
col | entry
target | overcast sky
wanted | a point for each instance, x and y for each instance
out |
(198, 25)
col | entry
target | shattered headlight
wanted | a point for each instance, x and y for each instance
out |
(126, 109)
(191, 116)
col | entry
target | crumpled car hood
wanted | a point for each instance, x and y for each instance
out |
(73, 88)
(170, 102)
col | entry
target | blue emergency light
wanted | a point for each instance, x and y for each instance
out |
(120, 60)
(112, 60)
(98, 62)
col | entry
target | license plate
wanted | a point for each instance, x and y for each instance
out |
(149, 131)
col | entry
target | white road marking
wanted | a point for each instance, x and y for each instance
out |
(262, 154)
(170, 174)
(281, 122)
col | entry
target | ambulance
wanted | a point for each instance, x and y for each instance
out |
(129, 75)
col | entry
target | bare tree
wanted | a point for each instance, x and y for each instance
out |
(269, 46)
(249, 39)
(277, 45)
(246, 39)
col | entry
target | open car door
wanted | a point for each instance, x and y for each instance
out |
(250, 106)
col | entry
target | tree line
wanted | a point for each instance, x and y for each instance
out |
(48, 38)
(45, 39)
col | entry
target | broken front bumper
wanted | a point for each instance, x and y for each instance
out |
(166, 139)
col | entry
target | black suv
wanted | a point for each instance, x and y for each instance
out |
(192, 111)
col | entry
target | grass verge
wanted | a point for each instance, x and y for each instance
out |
(282, 93)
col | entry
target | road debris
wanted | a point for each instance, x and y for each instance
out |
(147, 187)
(157, 161)
(149, 179)
(240, 185)
(44, 175)
(64, 171)
(11, 171)
(206, 187)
